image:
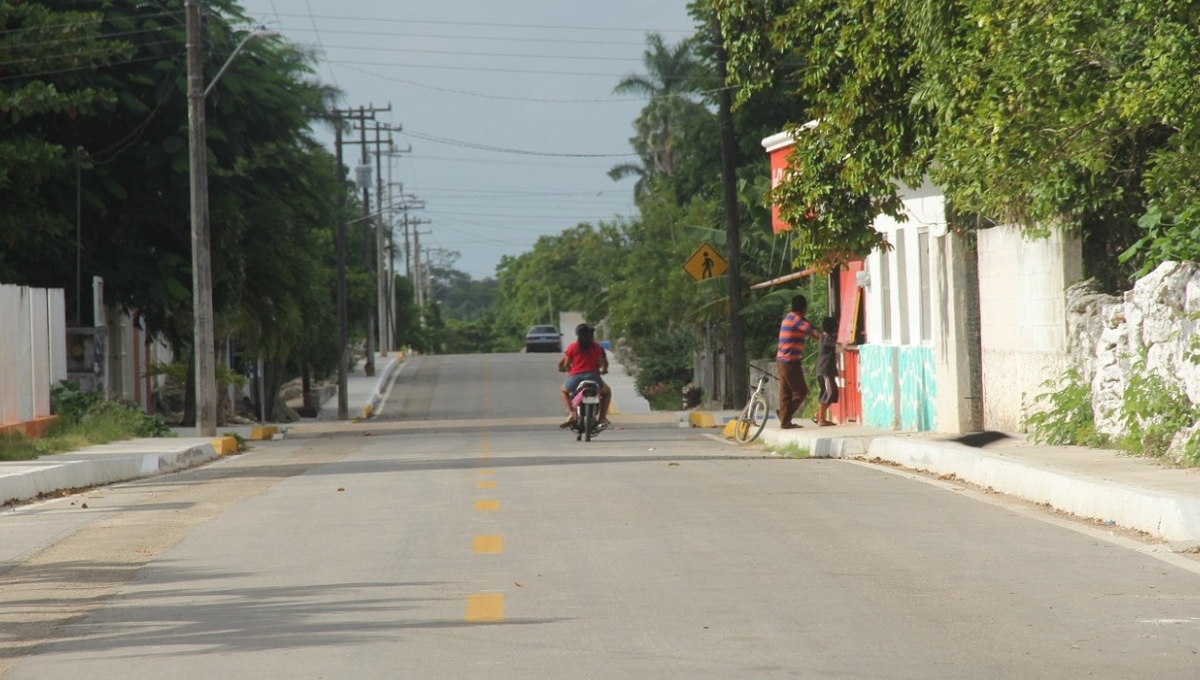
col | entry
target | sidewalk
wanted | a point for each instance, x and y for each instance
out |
(1101, 485)
(135, 458)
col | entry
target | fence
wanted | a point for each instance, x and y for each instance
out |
(33, 357)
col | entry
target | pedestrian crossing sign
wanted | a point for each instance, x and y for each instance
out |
(705, 263)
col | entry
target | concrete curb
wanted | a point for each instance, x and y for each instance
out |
(100, 465)
(1170, 516)
(368, 409)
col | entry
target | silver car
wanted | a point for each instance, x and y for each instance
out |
(543, 339)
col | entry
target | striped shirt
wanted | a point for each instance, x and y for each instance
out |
(792, 333)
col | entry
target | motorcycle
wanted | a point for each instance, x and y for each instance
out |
(586, 402)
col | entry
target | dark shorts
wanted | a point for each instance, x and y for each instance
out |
(573, 381)
(829, 389)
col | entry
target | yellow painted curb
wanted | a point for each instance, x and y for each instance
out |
(225, 446)
(263, 433)
(729, 428)
(701, 419)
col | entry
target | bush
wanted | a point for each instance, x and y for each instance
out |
(89, 412)
(70, 403)
(664, 366)
(1155, 412)
(1066, 416)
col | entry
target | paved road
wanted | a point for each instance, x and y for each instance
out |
(460, 534)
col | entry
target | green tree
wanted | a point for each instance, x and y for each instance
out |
(670, 84)
(47, 53)
(273, 189)
(1075, 115)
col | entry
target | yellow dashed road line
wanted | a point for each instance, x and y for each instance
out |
(488, 545)
(485, 608)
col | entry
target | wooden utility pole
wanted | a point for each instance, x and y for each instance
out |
(339, 118)
(203, 345)
(729, 152)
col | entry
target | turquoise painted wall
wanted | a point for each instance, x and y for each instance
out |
(877, 385)
(884, 369)
(918, 389)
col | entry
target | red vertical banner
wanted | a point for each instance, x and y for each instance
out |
(778, 146)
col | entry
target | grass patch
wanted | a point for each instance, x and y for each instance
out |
(790, 450)
(84, 420)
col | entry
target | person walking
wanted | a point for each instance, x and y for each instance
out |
(793, 388)
(827, 371)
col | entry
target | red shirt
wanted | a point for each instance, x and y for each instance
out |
(584, 361)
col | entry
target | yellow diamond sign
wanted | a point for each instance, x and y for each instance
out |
(705, 263)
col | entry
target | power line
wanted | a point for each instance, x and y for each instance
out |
(78, 55)
(467, 93)
(72, 24)
(88, 67)
(479, 38)
(74, 39)
(497, 149)
(476, 69)
(477, 24)
(318, 33)
(410, 50)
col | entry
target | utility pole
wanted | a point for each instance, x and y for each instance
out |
(729, 151)
(417, 279)
(362, 176)
(414, 273)
(203, 343)
(369, 365)
(383, 285)
(339, 117)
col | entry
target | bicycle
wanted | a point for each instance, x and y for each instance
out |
(753, 418)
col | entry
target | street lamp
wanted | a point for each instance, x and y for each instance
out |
(203, 350)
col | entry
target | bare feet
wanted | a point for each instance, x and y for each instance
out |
(789, 426)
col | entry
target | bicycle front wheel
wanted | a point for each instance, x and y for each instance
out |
(752, 420)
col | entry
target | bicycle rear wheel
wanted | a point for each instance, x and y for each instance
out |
(751, 421)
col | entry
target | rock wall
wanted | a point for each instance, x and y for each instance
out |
(1155, 322)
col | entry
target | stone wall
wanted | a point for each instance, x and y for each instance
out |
(1156, 322)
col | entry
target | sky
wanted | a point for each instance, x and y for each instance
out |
(507, 105)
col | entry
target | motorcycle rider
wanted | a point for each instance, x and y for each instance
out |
(584, 359)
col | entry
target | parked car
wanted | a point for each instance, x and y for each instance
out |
(543, 339)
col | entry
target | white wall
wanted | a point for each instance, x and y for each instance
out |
(1023, 317)
(896, 301)
(32, 350)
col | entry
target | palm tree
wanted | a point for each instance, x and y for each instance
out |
(669, 85)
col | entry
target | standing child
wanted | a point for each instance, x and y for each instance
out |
(827, 370)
